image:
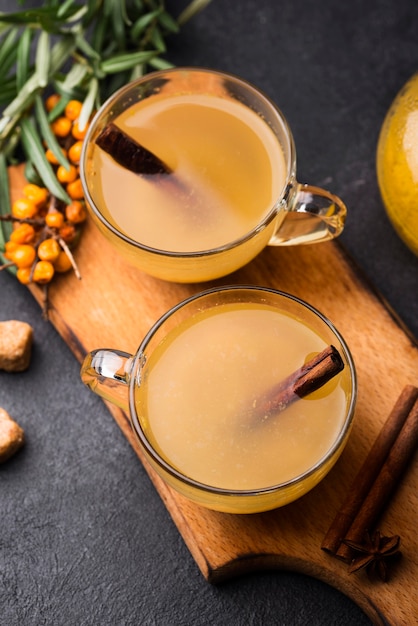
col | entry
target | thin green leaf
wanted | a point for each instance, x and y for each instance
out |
(71, 13)
(137, 72)
(121, 62)
(85, 47)
(155, 4)
(7, 50)
(118, 24)
(31, 174)
(23, 58)
(142, 24)
(89, 103)
(12, 143)
(160, 64)
(74, 77)
(47, 134)
(58, 109)
(191, 10)
(168, 22)
(48, 18)
(125, 15)
(93, 8)
(7, 126)
(157, 39)
(32, 17)
(63, 7)
(35, 153)
(5, 227)
(42, 59)
(108, 7)
(3, 28)
(61, 51)
(69, 94)
(99, 34)
(139, 5)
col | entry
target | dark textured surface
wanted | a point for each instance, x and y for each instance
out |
(84, 537)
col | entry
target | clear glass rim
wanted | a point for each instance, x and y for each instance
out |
(219, 491)
(267, 219)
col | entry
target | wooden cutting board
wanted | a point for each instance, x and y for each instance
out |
(114, 305)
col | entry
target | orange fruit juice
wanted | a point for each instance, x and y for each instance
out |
(197, 398)
(228, 170)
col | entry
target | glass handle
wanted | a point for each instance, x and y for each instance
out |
(313, 215)
(107, 373)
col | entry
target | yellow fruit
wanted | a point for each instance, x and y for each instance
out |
(23, 275)
(43, 272)
(63, 263)
(52, 101)
(61, 127)
(23, 208)
(49, 250)
(24, 255)
(54, 219)
(73, 109)
(23, 233)
(38, 195)
(397, 163)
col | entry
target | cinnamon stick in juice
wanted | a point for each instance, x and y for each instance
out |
(129, 153)
(307, 379)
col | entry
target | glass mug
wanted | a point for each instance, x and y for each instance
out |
(227, 187)
(196, 394)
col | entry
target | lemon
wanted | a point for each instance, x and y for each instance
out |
(397, 163)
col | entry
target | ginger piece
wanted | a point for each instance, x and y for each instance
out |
(12, 436)
(15, 345)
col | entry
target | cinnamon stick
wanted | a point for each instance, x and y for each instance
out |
(308, 378)
(128, 153)
(373, 465)
(385, 483)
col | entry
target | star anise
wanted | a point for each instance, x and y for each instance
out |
(374, 554)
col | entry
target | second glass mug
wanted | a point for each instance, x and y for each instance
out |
(194, 389)
(296, 214)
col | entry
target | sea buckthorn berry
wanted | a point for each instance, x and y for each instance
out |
(24, 233)
(77, 132)
(38, 195)
(24, 208)
(24, 255)
(73, 109)
(51, 158)
(43, 272)
(68, 233)
(74, 153)
(61, 127)
(54, 219)
(9, 248)
(75, 190)
(48, 250)
(76, 212)
(62, 263)
(23, 275)
(66, 176)
(52, 101)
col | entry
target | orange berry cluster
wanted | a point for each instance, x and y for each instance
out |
(45, 228)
